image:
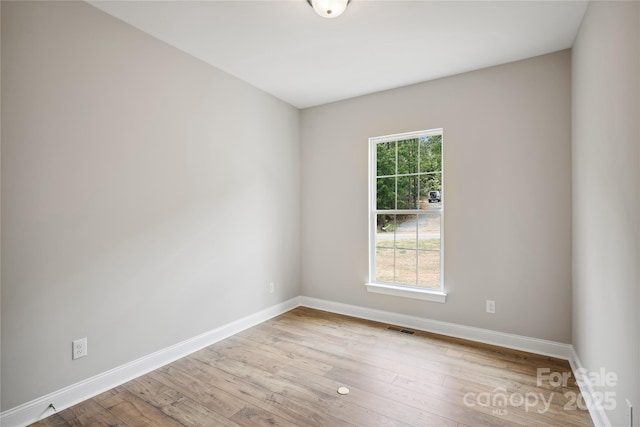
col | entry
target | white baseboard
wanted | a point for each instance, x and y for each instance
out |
(517, 342)
(598, 414)
(37, 409)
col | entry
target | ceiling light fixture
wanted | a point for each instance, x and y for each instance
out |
(329, 8)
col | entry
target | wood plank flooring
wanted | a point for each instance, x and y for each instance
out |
(286, 371)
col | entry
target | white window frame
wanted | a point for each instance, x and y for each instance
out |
(408, 291)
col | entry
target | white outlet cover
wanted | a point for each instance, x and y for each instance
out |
(491, 306)
(79, 348)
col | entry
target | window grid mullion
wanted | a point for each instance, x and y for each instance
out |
(409, 174)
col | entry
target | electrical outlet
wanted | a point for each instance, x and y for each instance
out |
(79, 348)
(491, 306)
(271, 287)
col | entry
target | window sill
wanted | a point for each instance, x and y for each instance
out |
(402, 291)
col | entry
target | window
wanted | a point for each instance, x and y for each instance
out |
(406, 200)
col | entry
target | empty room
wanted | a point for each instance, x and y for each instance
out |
(320, 213)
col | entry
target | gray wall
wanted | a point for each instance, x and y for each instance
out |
(606, 198)
(0, 205)
(146, 196)
(507, 140)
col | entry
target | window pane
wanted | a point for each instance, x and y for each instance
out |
(431, 191)
(408, 198)
(386, 158)
(385, 193)
(385, 230)
(429, 231)
(384, 265)
(407, 156)
(406, 266)
(431, 153)
(407, 192)
(406, 231)
(429, 269)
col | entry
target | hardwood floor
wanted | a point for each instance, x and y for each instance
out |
(285, 372)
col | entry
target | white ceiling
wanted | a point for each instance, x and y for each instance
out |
(284, 48)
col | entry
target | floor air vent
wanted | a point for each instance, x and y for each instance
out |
(403, 330)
